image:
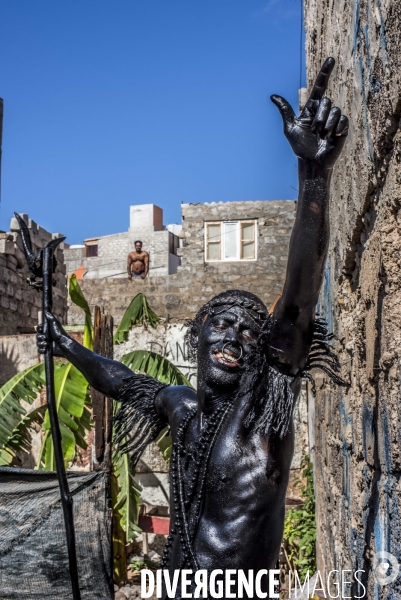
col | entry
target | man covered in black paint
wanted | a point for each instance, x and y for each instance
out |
(233, 438)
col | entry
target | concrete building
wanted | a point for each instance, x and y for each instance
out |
(222, 245)
(106, 256)
(358, 429)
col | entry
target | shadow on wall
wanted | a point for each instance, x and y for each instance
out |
(9, 363)
(17, 352)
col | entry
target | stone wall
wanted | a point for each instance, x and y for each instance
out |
(358, 429)
(17, 352)
(19, 303)
(177, 297)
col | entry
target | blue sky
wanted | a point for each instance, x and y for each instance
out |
(108, 104)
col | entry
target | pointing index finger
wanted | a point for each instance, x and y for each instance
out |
(322, 79)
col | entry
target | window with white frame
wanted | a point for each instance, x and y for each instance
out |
(230, 240)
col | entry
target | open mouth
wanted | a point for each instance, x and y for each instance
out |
(228, 358)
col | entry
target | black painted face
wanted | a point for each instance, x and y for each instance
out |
(226, 341)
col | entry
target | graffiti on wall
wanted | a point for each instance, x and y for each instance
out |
(168, 341)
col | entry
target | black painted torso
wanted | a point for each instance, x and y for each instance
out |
(243, 508)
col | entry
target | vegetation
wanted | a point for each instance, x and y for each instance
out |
(79, 299)
(300, 527)
(74, 412)
(14, 418)
(137, 313)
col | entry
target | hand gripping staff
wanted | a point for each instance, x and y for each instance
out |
(42, 266)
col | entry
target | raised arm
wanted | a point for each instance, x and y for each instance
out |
(317, 137)
(103, 374)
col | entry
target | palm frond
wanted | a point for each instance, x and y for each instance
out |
(72, 403)
(24, 386)
(154, 365)
(138, 313)
(78, 298)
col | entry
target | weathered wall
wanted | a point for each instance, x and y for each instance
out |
(358, 460)
(180, 295)
(19, 303)
(17, 352)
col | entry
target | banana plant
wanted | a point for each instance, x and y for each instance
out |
(14, 416)
(73, 401)
(138, 313)
(79, 299)
(128, 500)
(150, 363)
(73, 407)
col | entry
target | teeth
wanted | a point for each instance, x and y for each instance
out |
(226, 357)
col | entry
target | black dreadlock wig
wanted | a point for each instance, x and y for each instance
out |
(268, 388)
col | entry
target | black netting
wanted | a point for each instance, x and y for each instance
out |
(33, 553)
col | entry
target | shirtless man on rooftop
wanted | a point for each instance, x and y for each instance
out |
(138, 262)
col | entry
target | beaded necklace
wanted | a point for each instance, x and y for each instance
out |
(188, 492)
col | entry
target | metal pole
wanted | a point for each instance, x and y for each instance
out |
(66, 498)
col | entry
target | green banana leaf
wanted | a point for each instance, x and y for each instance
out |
(118, 538)
(21, 438)
(129, 496)
(78, 298)
(14, 418)
(73, 411)
(138, 313)
(154, 365)
(165, 443)
(160, 368)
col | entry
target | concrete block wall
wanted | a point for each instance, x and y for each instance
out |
(19, 303)
(113, 250)
(179, 296)
(358, 429)
(74, 258)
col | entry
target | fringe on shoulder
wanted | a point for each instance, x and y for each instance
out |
(137, 423)
(270, 389)
(272, 403)
(322, 356)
